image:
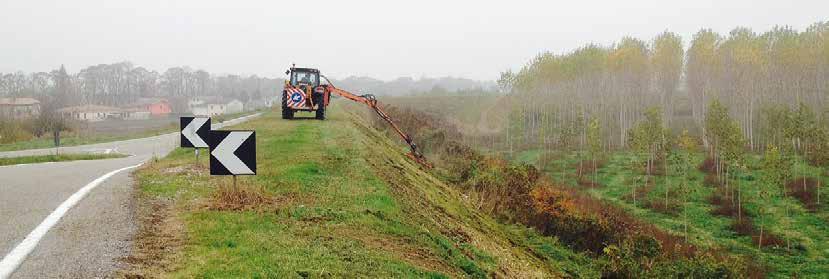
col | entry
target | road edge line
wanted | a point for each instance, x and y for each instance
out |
(15, 258)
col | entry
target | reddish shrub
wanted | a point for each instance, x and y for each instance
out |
(671, 208)
(711, 180)
(587, 183)
(588, 167)
(744, 226)
(708, 166)
(657, 168)
(641, 192)
(804, 189)
(769, 240)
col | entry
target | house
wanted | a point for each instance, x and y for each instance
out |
(209, 110)
(19, 108)
(92, 113)
(234, 106)
(156, 106)
(135, 114)
(213, 105)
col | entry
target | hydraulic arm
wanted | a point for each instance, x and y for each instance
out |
(371, 101)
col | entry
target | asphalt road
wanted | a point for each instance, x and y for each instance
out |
(90, 238)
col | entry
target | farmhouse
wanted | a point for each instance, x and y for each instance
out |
(155, 106)
(19, 108)
(92, 113)
(234, 106)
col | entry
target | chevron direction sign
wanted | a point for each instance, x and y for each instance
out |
(194, 131)
(232, 152)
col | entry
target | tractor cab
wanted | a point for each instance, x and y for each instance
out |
(305, 76)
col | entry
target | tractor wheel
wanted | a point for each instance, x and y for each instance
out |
(321, 112)
(287, 113)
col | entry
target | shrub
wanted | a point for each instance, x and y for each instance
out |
(13, 131)
(804, 189)
(708, 166)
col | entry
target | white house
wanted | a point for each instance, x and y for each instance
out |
(234, 106)
(209, 110)
(135, 114)
(92, 113)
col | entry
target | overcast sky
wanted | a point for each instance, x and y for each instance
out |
(382, 39)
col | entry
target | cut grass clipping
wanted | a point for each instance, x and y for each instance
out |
(57, 158)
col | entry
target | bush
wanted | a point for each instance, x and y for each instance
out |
(804, 189)
(12, 131)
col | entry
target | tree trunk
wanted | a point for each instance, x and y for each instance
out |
(760, 242)
(739, 202)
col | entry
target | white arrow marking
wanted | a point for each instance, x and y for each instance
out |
(224, 153)
(189, 132)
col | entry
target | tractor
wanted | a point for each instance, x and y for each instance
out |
(305, 91)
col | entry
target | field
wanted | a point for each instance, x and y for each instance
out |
(807, 255)
(795, 225)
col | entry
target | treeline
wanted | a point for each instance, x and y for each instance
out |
(755, 75)
(409, 86)
(123, 83)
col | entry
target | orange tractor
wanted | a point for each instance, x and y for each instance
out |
(304, 91)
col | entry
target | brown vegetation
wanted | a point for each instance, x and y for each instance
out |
(743, 222)
(708, 166)
(158, 242)
(241, 198)
(804, 189)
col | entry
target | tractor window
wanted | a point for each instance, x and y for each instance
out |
(304, 78)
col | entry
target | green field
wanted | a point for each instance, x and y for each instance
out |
(808, 232)
(332, 198)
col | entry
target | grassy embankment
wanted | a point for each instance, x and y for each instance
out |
(786, 218)
(332, 198)
(56, 158)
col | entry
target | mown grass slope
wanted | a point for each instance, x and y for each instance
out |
(335, 198)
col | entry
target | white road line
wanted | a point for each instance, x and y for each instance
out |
(13, 260)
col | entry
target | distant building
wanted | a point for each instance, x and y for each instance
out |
(135, 114)
(156, 106)
(92, 113)
(234, 106)
(209, 110)
(213, 105)
(19, 108)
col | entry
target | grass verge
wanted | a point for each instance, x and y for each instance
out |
(57, 158)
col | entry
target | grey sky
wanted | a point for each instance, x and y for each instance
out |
(383, 39)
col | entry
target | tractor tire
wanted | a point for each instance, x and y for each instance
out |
(320, 106)
(287, 113)
(321, 113)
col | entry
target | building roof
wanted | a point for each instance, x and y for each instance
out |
(141, 103)
(18, 101)
(90, 108)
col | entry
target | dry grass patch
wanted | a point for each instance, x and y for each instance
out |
(242, 197)
(158, 243)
